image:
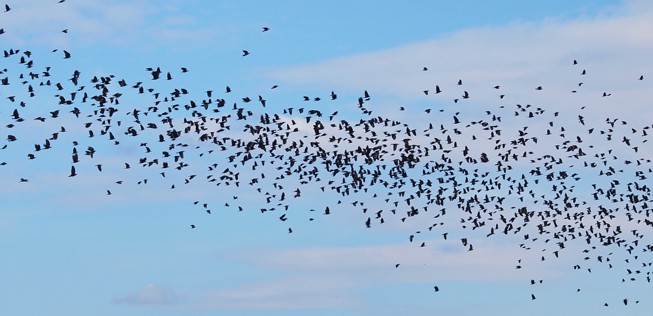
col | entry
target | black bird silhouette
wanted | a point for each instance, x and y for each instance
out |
(410, 170)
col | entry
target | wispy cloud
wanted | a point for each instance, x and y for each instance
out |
(614, 48)
(91, 22)
(151, 294)
(327, 277)
(288, 293)
(439, 260)
(295, 292)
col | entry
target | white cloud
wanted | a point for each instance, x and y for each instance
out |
(330, 277)
(439, 260)
(614, 48)
(294, 292)
(151, 294)
(91, 22)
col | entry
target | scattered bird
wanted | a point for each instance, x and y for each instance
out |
(506, 186)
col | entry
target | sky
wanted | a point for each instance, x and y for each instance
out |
(69, 248)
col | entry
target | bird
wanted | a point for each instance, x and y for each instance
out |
(390, 167)
(72, 171)
(245, 52)
(265, 29)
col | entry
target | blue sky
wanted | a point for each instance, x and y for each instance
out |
(68, 248)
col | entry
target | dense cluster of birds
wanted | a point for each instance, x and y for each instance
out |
(470, 173)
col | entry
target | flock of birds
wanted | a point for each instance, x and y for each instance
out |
(463, 173)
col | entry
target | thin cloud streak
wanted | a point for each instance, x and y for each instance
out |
(288, 293)
(151, 294)
(511, 56)
(318, 278)
(91, 22)
(439, 260)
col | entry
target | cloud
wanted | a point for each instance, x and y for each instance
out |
(439, 260)
(333, 277)
(288, 293)
(91, 22)
(151, 294)
(614, 47)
